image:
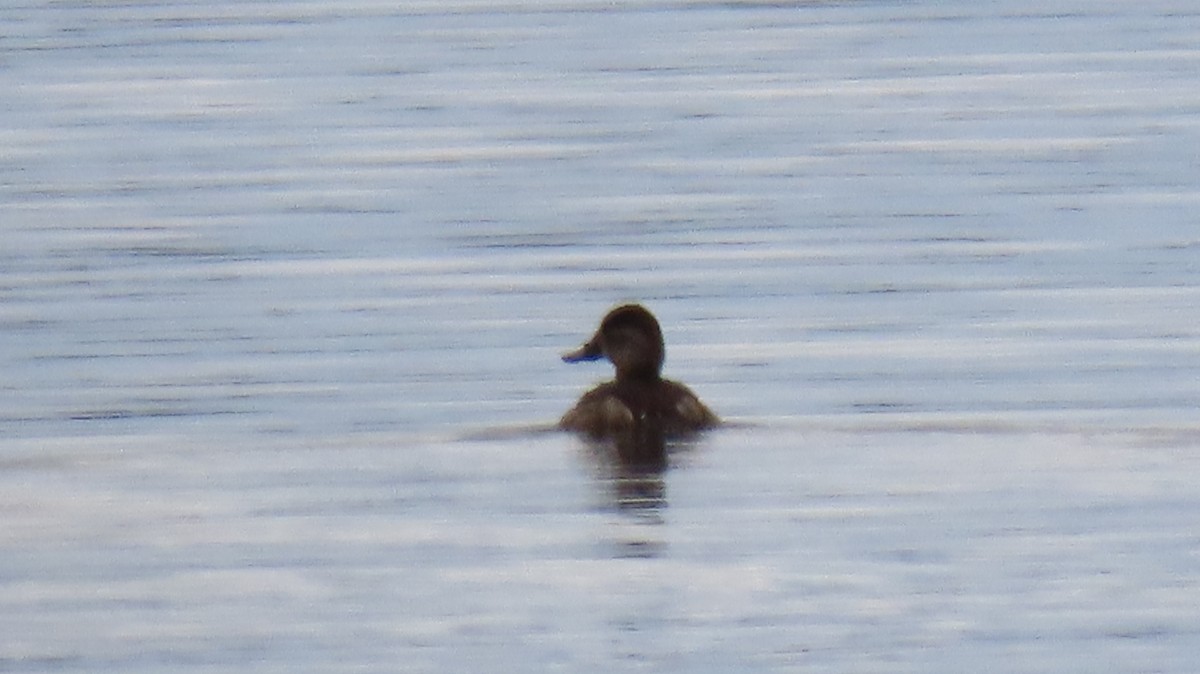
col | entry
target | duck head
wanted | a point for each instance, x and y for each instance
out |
(630, 338)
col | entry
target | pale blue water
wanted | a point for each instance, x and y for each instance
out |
(283, 288)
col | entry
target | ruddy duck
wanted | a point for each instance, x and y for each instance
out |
(639, 403)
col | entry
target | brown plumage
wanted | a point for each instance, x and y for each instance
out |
(639, 404)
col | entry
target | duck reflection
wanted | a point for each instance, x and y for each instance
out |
(633, 473)
(631, 479)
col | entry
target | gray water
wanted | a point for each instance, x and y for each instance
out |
(283, 287)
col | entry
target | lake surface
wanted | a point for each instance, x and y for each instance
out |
(283, 287)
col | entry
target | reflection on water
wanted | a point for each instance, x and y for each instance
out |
(633, 472)
(640, 500)
(633, 479)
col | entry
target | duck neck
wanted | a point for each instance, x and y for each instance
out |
(640, 375)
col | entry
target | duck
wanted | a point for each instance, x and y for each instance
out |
(638, 405)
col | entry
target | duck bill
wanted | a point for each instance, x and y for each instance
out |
(589, 351)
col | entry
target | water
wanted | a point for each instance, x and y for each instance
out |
(284, 285)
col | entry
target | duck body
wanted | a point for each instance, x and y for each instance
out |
(617, 408)
(638, 405)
